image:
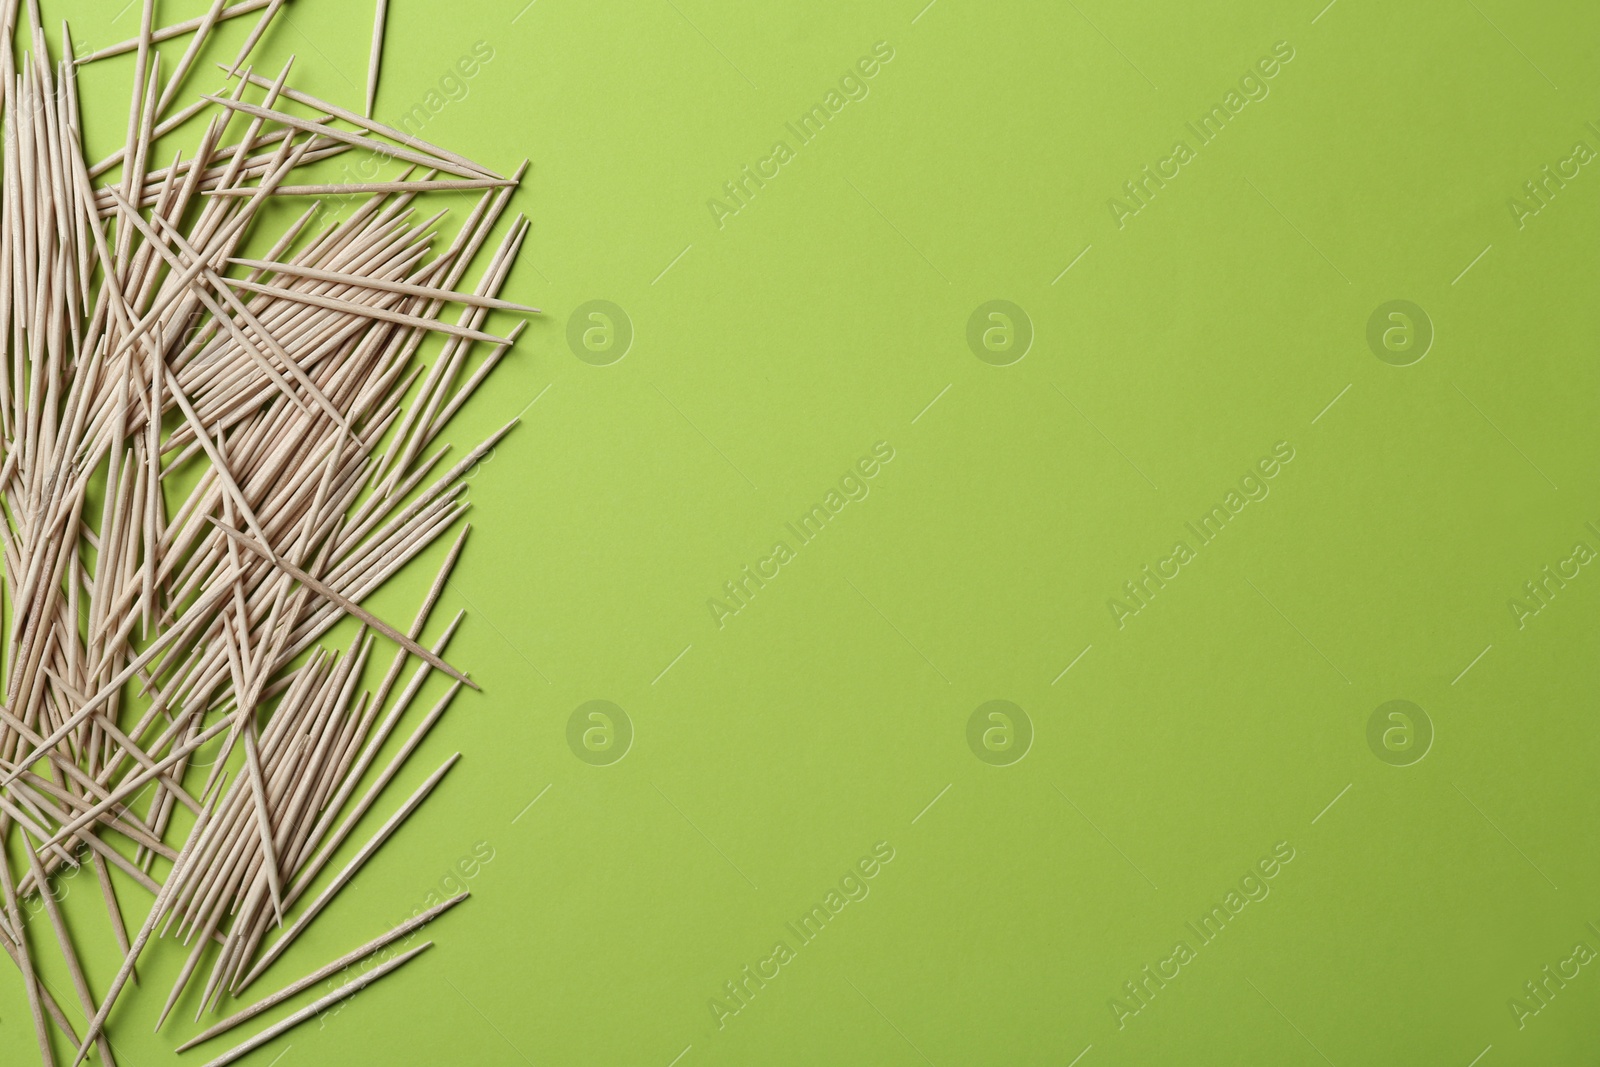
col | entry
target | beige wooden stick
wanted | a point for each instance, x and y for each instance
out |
(344, 992)
(366, 123)
(447, 185)
(404, 154)
(348, 606)
(159, 132)
(30, 978)
(266, 1003)
(202, 31)
(370, 311)
(375, 61)
(53, 908)
(315, 907)
(407, 288)
(197, 611)
(255, 35)
(177, 29)
(99, 1021)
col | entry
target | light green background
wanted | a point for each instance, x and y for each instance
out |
(771, 353)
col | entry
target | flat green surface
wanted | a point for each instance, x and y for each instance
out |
(774, 346)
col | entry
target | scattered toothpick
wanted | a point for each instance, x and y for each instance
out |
(376, 60)
(208, 460)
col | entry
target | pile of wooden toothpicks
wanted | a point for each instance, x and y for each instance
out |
(208, 461)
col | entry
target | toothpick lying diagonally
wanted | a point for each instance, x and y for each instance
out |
(347, 605)
(178, 29)
(349, 989)
(405, 929)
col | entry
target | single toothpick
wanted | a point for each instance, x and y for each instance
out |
(320, 975)
(349, 989)
(376, 59)
(177, 29)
